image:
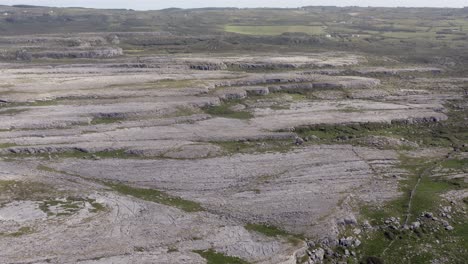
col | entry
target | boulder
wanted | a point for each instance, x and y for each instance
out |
(320, 254)
(350, 220)
(298, 141)
(415, 225)
(257, 91)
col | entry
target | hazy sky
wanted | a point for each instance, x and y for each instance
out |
(160, 4)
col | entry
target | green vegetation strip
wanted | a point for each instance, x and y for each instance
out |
(409, 246)
(260, 146)
(273, 30)
(267, 230)
(213, 257)
(106, 120)
(7, 145)
(156, 196)
(273, 231)
(440, 134)
(25, 230)
(20, 190)
(12, 111)
(70, 206)
(426, 197)
(146, 194)
(224, 110)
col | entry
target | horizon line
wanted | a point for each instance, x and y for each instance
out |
(224, 7)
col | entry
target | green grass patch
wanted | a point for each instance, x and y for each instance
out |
(69, 206)
(156, 196)
(37, 103)
(407, 246)
(20, 190)
(213, 257)
(106, 120)
(224, 110)
(261, 146)
(162, 84)
(267, 230)
(461, 232)
(431, 134)
(25, 230)
(7, 145)
(427, 195)
(97, 207)
(456, 164)
(274, 30)
(425, 134)
(273, 231)
(12, 111)
(172, 250)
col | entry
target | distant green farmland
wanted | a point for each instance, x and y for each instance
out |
(274, 30)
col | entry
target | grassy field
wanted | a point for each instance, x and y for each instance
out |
(413, 34)
(213, 257)
(274, 30)
(412, 246)
(273, 231)
(225, 110)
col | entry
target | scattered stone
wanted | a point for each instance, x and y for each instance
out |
(415, 225)
(299, 141)
(313, 137)
(238, 107)
(386, 142)
(257, 91)
(343, 138)
(366, 225)
(392, 220)
(449, 228)
(445, 223)
(320, 254)
(447, 209)
(429, 215)
(343, 242)
(350, 242)
(357, 231)
(350, 220)
(357, 243)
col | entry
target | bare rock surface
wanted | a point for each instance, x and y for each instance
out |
(217, 131)
(247, 186)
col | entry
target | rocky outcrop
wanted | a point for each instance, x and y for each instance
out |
(80, 54)
(232, 94)
(262, 66)
(300, 82)
(208, 66)
(382, 142)
(257, 90)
